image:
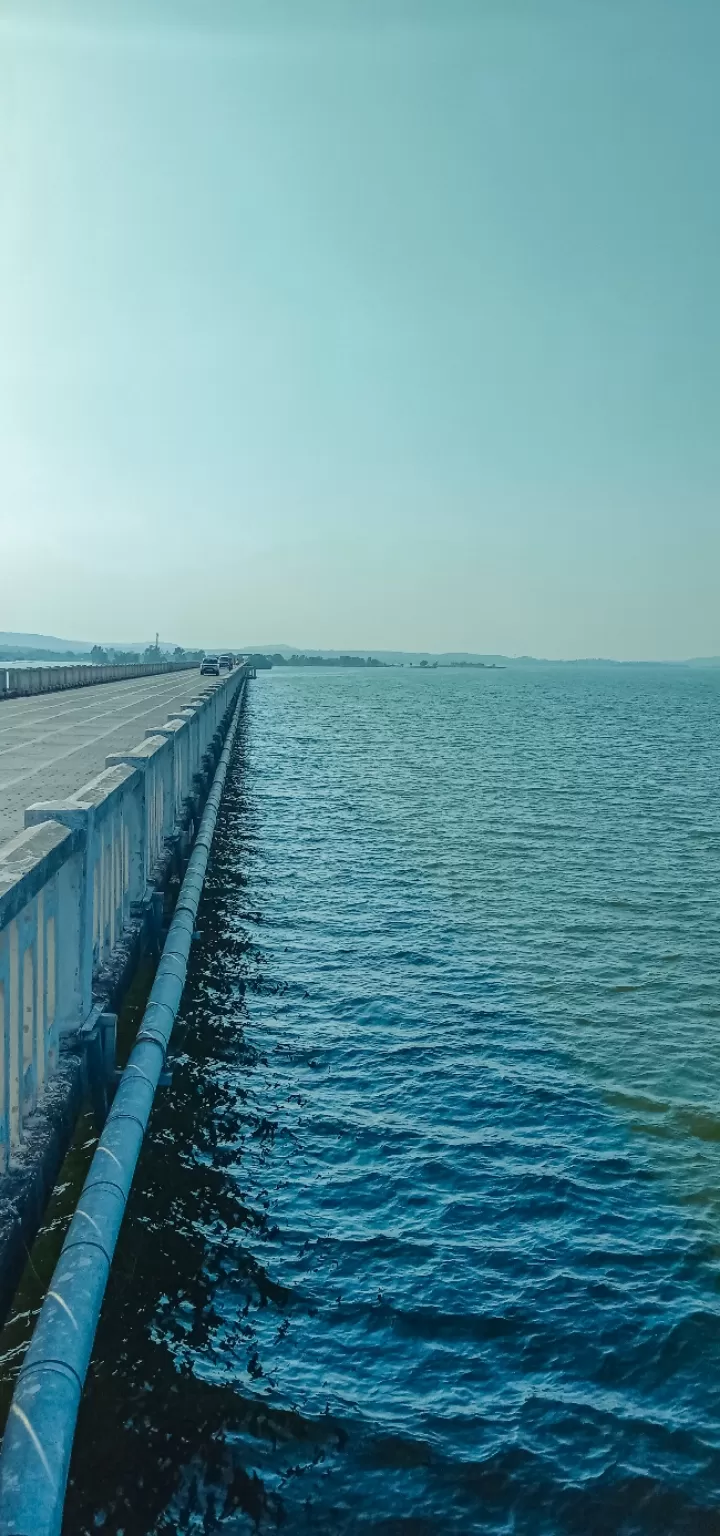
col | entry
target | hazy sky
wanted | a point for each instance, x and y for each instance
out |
(362, 324)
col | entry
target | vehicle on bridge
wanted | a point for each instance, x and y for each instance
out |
(227, 661)
(210, 666)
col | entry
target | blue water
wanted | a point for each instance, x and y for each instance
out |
(427, 1237)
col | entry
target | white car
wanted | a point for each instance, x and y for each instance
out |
(210, 667)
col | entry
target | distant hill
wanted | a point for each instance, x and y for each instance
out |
(11, 639)
(51, 645)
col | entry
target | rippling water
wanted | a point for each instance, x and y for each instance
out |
(427, 1234)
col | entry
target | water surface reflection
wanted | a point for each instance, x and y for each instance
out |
(425, 1234)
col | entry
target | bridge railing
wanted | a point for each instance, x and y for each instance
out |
(40, 884)
(73, 881)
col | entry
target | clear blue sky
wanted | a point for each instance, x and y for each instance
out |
(362, 324)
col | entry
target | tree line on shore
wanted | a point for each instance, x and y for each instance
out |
(298, 659)
(97, 655)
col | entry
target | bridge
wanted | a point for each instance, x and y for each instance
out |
(123, 783)
(101, 794)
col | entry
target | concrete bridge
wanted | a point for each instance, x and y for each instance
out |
(101, 793)
(124, 783)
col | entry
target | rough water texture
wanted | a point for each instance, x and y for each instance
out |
(426, 1236)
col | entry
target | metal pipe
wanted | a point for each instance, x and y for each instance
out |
(37, 1445)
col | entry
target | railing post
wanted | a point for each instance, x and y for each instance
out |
(152, 759)
(75, 908)
(175, 734)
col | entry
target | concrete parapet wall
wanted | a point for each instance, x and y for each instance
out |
(39, 882)
(17, 682)
(75, 880)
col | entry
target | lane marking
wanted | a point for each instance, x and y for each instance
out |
(84, 746)
(76, 700)
(71, 721)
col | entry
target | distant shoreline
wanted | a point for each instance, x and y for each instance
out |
(300, 659)
(18, 648)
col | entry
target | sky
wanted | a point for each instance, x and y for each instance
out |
(370, 324)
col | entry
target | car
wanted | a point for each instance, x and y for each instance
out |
(210, 667)
(227, 660)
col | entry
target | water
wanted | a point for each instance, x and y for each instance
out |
(427, 1234)
(65, 661)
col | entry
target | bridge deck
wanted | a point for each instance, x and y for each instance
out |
(52, 744)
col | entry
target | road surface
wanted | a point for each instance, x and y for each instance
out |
(52, 744)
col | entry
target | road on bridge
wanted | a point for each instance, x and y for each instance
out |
(54, 743)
